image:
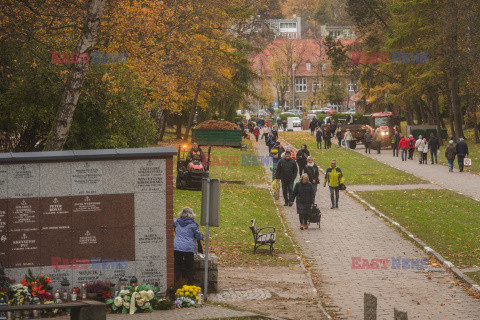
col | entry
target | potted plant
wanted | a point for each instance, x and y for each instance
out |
(93, 289)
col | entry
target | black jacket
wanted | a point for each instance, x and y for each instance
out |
(303, 193)
(286, 170)
(313, 173)
(319, 135)
(433, 144)
(461, 148)
(302, 156)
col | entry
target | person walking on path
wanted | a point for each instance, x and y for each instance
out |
(395, 141)
(339, 138)
(411, 147)
(287, 172)
(450, 154)
(377, 140)
(304, 194)
(313, 174)
(313, 125)
(328, 138)
(333, 177)
(461, 148)
(184, 245)
(275, 131)
(284, 125)
(256, 133)
(276, 154)
(425, 152)
(270, 142)
(403, 145)
(368, 141)
(433, 145)
(318, 135)
(302, 156)
(348, 138)
(419, 146)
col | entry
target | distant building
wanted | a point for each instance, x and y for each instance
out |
(286, 28)
(311, 73)
(338, 32)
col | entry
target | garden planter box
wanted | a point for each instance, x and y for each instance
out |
(207, 137)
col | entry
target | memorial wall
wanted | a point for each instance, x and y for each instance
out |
(88, 215)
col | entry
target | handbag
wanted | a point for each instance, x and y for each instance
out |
(342, 186)
(467, 162)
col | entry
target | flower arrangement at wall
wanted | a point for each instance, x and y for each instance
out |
(37, 286)
(18, 292)
(135, 299)
(187, 297)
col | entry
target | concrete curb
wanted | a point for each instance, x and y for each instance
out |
(456, 271)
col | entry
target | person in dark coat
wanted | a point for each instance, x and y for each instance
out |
(450, 154)
(270, 141)
(302, 156)
(313, 125)
(287, 172)
(433, 146)
(462, 150)
(395, 142)
(184, 245)
(303, 193)
(313, 174)
(319, 135)
(328, 138)
(368, 141)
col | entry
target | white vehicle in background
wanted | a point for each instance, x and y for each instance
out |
(296, 121)
(350, 111)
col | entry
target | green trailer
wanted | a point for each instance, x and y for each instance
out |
(207, 137)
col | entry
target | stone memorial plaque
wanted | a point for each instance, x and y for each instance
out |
(119, 243)
(3, 233)
(87, 178)
(18, 274)
(150, 209)
(23, 215)
(24, 249)
(150, 175)
(88, 211)
(120, 212)
(118, 176)
(56, 249)
(57, 275)
(23, 181)
(88, 275)
(126, 269)
(149, 243)
(87, 243)
(3, 182)
(55, 179)
(56, 213)
(152, 271)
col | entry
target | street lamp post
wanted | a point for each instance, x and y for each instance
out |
(293, 79)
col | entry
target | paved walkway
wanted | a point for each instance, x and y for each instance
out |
(352, 231)
(461, 182)
(377, 187)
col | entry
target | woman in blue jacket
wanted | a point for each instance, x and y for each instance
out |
(184, 245)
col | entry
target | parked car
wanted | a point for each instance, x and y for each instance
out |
(297, 122)
(297, 112)
(287, 113)
(324, 110)
(350, 111)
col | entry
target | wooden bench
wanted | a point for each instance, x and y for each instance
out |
(80, 310)
(262, 239)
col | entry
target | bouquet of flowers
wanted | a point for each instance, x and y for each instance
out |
(18, 292)
(135, 299)
(187, 297)
(38, 285)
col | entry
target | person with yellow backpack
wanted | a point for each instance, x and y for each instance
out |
(335, 180)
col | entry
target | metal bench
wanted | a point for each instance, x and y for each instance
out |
(262, 239)
(80, 310)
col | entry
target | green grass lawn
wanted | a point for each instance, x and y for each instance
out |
(448, 222)
(357, 168)
(233, 241)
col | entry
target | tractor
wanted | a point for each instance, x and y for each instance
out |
(190, 172)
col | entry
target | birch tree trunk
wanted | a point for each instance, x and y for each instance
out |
(74, 86)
